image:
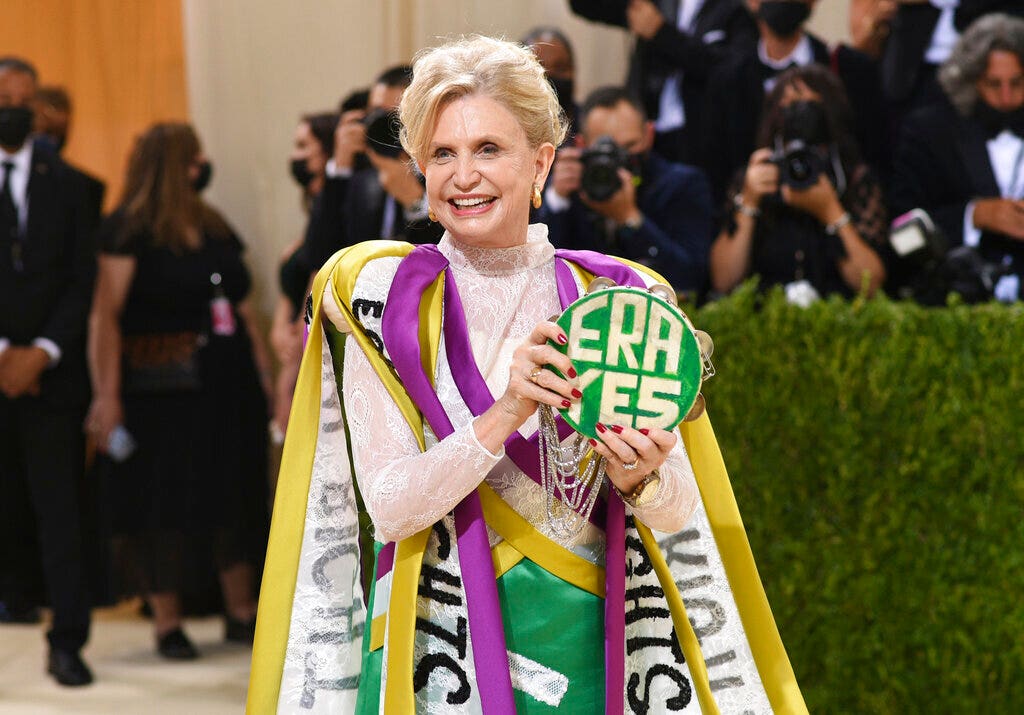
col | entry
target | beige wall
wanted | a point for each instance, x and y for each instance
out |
(255, 65)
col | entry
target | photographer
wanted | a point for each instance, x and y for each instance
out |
(370, 191)
(963, 161)
(739, 85)
(806, 212)
(617, 196)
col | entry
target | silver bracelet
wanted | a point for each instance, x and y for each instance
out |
(836, 226)
(751, 211)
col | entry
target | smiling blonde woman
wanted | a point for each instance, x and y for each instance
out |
(422, 380)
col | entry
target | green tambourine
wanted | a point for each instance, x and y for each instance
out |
(639, 361)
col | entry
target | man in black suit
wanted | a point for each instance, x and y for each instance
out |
(962, 161)
(679, 43)
(52, 110)
(370, 191)
(47, 268)
(737, 88)
(659, 213)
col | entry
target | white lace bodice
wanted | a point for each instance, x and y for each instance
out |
(505, 293)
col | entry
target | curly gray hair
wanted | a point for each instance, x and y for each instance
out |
(965, 66)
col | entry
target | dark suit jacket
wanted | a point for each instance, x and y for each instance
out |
(720, 28)
(735, 100)
(676, 233)
(93, 189)
(941, 165)
(351, 210)
(903, 63)
(52, 296)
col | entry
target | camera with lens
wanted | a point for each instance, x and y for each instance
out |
(601, 163)
(381, 127)
(926, 270)
(800, 146)
(799, 165)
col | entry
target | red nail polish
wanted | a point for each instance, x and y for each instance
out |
(644, 431)
(562, 339)
(601, 428)
(616, 429)
(565, 404)
(571, 373)
(576, 393)
(593, 442)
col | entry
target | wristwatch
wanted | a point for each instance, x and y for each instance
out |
(643, 493)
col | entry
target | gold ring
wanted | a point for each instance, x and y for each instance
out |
(632, 465)
(535, 373)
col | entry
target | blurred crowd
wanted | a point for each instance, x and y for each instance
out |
(736, 144)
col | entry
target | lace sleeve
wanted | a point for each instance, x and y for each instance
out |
(866, 205)
(676, 499)
(405, 490)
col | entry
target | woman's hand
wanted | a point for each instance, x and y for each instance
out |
(105, 413)
(644, 450)
(761, 178)
(529, 384)
(820, 200)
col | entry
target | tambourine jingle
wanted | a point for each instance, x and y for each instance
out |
(637, 360)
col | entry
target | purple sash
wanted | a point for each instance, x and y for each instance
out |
(400, 329)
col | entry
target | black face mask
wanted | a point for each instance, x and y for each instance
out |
(564, 88)
(15, 125)
(301, 173)
(994, 121)
(784, 17)
(203, 180)
(806, 121)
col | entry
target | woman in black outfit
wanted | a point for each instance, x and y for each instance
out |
(815, 240)
(313, 145)
(173, 356)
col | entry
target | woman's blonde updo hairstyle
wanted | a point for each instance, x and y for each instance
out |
(504, 71)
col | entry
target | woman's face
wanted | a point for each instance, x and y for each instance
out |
(481, 171)
(305, 146)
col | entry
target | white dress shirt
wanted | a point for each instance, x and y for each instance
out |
(945, 35)
(1006, 156)
(802, 55)
(671, 113)
(22, 160)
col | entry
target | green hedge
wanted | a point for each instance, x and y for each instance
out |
(877, 455)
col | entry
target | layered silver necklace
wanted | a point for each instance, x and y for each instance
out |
(571, 493)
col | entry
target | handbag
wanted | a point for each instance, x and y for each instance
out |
(155, 363)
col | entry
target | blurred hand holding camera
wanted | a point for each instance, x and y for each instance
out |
(819, 200)
(620, 207)
(762, 178)
(1005, 216)
(349, 138)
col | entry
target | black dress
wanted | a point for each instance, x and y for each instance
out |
(196, 485)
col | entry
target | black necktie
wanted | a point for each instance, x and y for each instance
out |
(9, 217)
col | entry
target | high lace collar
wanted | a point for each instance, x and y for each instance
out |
(499, 261)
